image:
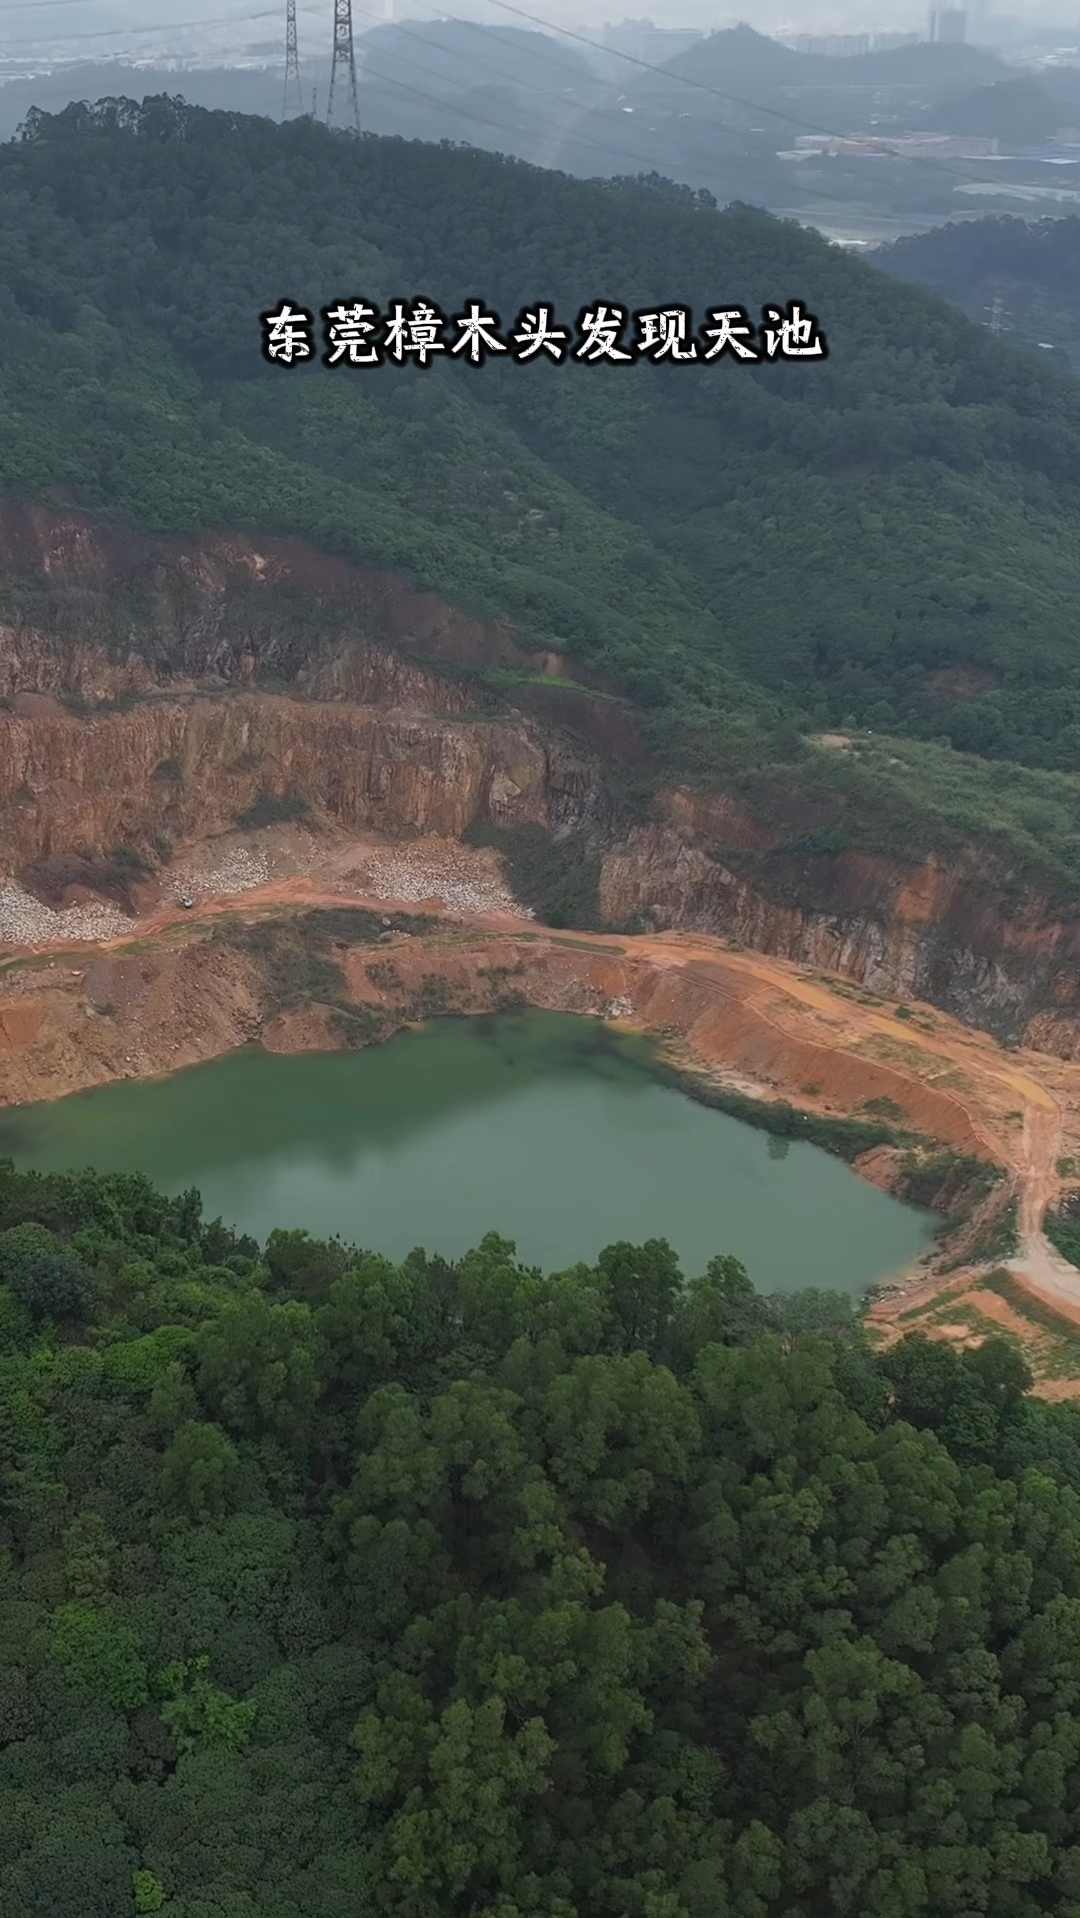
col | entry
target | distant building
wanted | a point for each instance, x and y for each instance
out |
(833, 46)
(902, 146)
(949, 24)
(1051, 156)
(642, 40)
(946, 146)
(840, 46)
(1033, 195)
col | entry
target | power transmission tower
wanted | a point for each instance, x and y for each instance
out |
(292, 60)
(999, 321)
(345, 59)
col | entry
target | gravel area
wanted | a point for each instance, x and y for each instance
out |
(235, 869)
(24, 921)
(453, 877)
(448, 872)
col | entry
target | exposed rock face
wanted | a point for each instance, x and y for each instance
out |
(922, 932)
(103, 611)
(187, 766)
(154, 689)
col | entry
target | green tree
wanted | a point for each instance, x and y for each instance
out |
(46, 1278)
(97, 1654)
(199, 1471)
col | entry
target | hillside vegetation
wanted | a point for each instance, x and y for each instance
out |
(333, 1588)
(1031, 266)
(885, 539)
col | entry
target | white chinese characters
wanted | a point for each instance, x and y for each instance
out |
(414, 333)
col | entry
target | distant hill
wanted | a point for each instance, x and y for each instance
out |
(1018, 112)
(501, 89)
(510, 90)
(417, 78)
(1032, 267)
(256, 90)
(740, 60)
(741, 83)
(460, 55)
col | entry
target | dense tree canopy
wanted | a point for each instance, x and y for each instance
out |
(1030, 267)
(331, 1587)
(884, 539)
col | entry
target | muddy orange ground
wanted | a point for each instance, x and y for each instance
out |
(1021, 1108)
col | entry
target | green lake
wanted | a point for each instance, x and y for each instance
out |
(546, 1128)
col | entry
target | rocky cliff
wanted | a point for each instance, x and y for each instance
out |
(152, 690)
(921, 931)
(185, 766)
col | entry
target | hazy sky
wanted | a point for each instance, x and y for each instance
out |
(104, 28)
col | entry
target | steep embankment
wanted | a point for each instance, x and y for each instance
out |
(930, 929)
(136, 1010)
(155, 690)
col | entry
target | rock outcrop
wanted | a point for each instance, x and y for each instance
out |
(152, 690)
(185, 766)
(920, 931)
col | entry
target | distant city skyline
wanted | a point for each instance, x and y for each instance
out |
(100, 30)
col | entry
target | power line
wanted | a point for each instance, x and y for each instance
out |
(34, 6)
(626, 154)
(705, 86)
(620, 154)
(464, 114)
(410, 34)
(174, 26)
(344, 59)
(651, 66)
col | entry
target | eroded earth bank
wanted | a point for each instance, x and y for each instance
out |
(299, 746)
(154, 690)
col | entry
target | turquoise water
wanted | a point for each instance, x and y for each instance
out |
(546, 1128)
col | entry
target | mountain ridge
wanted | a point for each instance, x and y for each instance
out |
(884, 540)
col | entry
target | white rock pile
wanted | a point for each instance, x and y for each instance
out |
(24, 921)
(234, 869)
(460, 882)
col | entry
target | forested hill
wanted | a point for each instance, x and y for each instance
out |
(884, 538)
(1032, 267)
(337, 1589)
(739, 60)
